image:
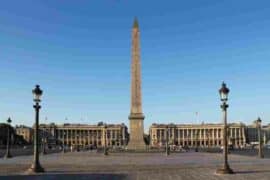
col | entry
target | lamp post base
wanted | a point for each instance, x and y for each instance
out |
(261, 156)
(226, 170)
(167, 153)
(35, 168)
(7, 156)
(105, 153)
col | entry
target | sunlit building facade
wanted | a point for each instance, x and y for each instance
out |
(25, 132)
(84, 135)
(191, 135)
(252, 133)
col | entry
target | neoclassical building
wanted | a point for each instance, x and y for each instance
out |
(252, 133)
(196, 134)
(25, 132)
(85, 135)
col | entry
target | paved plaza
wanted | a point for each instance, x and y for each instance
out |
(91, 165)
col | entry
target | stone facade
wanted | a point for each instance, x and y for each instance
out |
(84, 135)
(252, 133)
(136, 117)
(192, 135)
(25, 132)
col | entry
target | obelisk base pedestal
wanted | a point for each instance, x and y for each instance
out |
(136, 141)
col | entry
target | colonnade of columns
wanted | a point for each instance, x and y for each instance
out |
(197, 136)
(79, 137)
(83, 136)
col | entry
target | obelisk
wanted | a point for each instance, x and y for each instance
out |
(136, 117)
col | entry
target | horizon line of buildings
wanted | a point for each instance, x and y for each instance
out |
(202, 135)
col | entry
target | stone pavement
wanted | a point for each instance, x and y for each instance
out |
(86, 165)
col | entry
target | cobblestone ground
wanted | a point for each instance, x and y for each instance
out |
(86, 165)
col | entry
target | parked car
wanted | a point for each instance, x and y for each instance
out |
(230, 147)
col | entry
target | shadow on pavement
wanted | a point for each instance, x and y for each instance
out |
(252, 172)
(67, 177)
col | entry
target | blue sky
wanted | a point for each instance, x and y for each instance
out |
(79, 52)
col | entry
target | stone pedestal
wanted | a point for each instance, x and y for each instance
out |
(136, 141)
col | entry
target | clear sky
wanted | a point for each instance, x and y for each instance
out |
(80, 53)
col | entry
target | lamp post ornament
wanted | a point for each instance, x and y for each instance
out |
(224, 92)
(36, 167)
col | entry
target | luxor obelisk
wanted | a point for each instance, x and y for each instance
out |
(136, 117)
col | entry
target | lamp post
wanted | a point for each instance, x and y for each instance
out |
(167, 143)
(105, 141)
(36, 167)
(95, 139)
(63, 143)
(120, 140)
(196, 146)
(44, 147)
(259, 125)
(224, 91)
(8, 155)
(44, 138)
(208, 140)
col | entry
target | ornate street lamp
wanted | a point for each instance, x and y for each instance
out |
(95, 140)
(197, 136)
(63, 143)
(44, 138)
(208, 140)
(8, 155)
(167, 141)
(120, 140)
(44, 146)
(44, 143)
(224, 92)
(105, 141)
(259, 126)
(36, 167)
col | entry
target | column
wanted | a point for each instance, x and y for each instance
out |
(178, 136)
(204, 136)
(123, 135)
(213, 136)
(77, 137)
(191, 137)
(183, 137)
(89, 137)
(200, 136)
(243, 136)
(64, 136)
(173, 135)
(67, 137)
(160, 134)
